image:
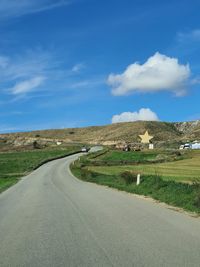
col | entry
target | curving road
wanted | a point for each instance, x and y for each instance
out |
(52, 219)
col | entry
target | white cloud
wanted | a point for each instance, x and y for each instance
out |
(27, 86)
(26, 65)
(13, 8)
(190, 36)
(196, 80)
(38, 73)
(87, 83)
(20, 74)
(78, 67)
(4, 61)
(158, 73)
(187, 43)
(144, 114)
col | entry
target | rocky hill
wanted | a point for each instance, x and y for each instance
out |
(190, 130)
(164, 133)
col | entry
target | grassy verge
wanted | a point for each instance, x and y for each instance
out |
(186, 196)
(14, 165)
(7, 182)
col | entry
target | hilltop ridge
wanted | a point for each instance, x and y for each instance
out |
(163, 132)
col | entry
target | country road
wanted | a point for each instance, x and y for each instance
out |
(52, 219)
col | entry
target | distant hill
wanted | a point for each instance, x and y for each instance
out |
(163, 132)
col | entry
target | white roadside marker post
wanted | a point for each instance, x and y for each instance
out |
(138, 179)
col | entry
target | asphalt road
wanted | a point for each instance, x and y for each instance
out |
(51, 218)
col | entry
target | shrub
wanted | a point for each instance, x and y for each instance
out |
(197, 198)
(36, 145)
(85, 173)
(129, 177)
(178, 153)
(84, 161)
(94, 174)
(158, 181)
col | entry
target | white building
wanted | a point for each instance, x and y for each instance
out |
(195, 145)
(58, 143)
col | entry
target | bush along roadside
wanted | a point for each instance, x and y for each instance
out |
(186, 196)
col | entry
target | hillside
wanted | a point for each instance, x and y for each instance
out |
(163, 132)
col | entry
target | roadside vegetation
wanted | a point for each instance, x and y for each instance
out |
(175, 181)
(14, 165)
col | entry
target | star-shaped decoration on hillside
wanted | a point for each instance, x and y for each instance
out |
(145, 138)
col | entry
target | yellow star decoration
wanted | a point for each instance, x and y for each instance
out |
(145, 138)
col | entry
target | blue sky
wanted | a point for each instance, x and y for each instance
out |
(76, 63)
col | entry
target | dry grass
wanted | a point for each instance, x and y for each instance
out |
(120, 131)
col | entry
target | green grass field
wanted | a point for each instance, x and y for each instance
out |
(118, 158)
(135, 156)
(186, 170)
(14, 165)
